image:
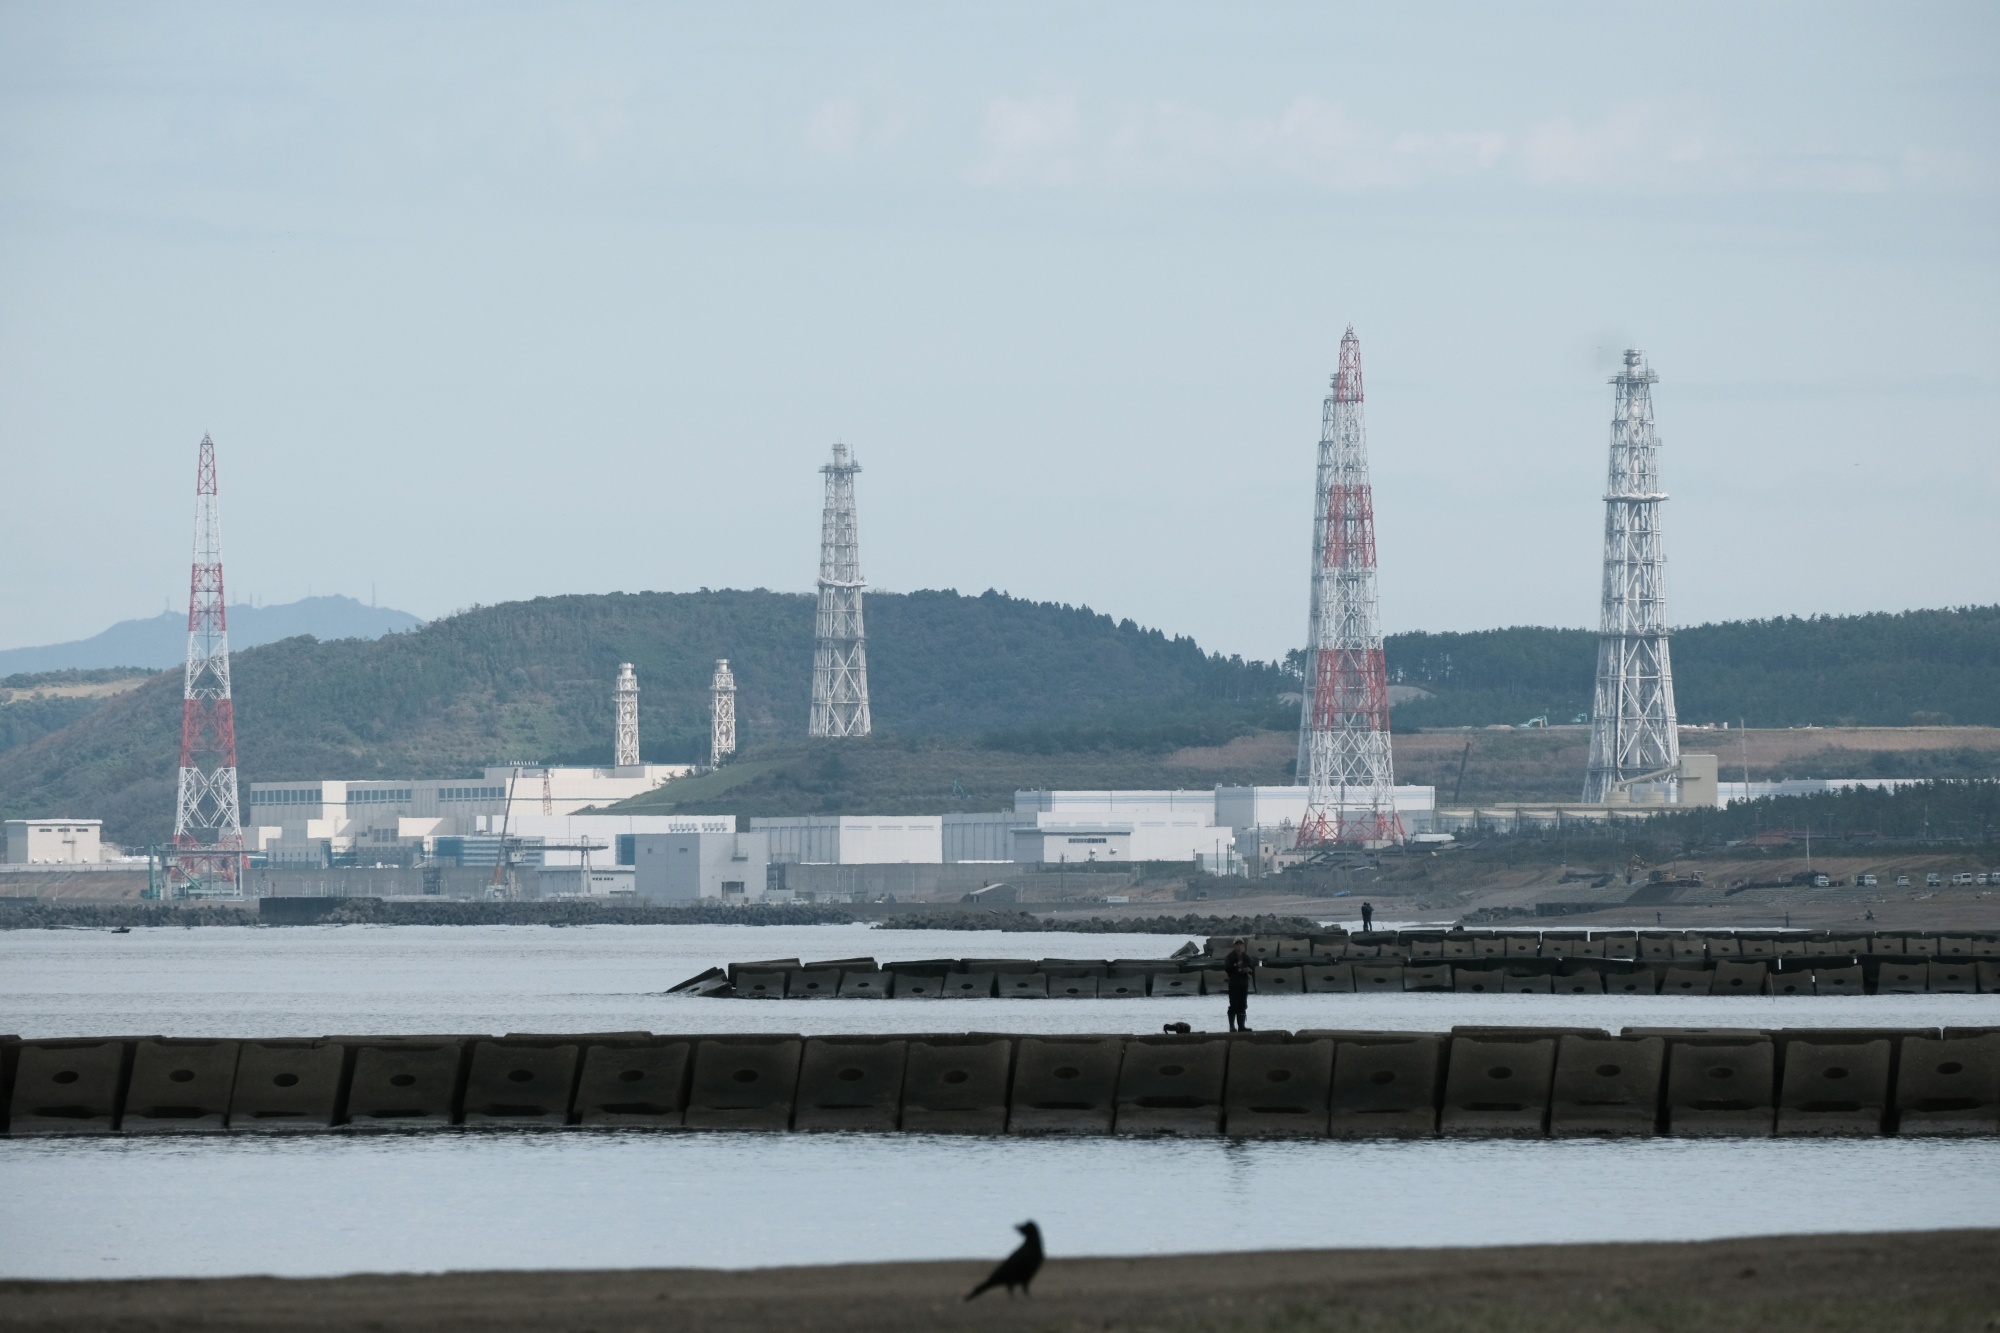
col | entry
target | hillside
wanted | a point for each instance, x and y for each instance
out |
(532, 680)
(160, 642)
(1915, 668)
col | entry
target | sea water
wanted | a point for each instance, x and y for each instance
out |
(566, 1199)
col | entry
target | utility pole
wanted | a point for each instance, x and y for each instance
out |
(1349, 769)
(1633, 735)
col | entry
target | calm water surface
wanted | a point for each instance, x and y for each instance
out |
(111, 1208)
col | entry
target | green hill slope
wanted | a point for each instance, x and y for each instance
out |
(532, 681)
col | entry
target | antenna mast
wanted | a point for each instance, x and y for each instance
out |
(1349, 771)
(840, 664)
(721, 714)
(625, 746)
(207, 859)
(1634, 742)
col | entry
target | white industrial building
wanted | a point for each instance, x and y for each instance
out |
(708, 860)
(306, 822)
(848, 840)
(44, 842)
(1071, 826)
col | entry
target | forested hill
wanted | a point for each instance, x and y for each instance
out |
(532, 681)
(1913, 668)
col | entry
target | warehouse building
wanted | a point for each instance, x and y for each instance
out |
(709, 860)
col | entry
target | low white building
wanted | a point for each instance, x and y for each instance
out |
(853, 840)
(1074, 842)
(42, 842)
(710, 860)
(1280, 808)
(1167, 825)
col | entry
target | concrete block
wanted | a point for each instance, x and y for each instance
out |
(1433, 976)
(1636, 980)
(1578, 981)
(1172, 1086)
(1214, 981)
(1845, 979)
(1064, 988)
(1944, 977)
(1607, 1086)
(1022, 985)
(1989, 976)
(1688, 946)
(1571, 946)
(1263, 948)
(850, 1085)
(635, 1083)
(1332, 978)
(1722, 946)
(1071, 967)
(1920, 946)
(1948, 1087)
(1122, 988)
(1358, 949)
(1656, 945)
(967, 986)
(68, 1087)
(1421, 946)
(1687, 981)
(1330, 946)
(286, 1086)
(1524, 946)
(1847, 946)
(1498, 1089)
(1834, 1088)
(1177, 983)
(1372, 977)
(813, 983)
(1278, 1088)
(1489, 946)
(842, 965)
(1897, 976)
(520, 1083)
(1756, 946)
(866, 985)
(1791, 946)
(1885, 946)
(1459, 946)
(1794, 981)
(1745, 978)
(760, 985)
(1385, 1087)
(995, 965)
(957, 1085)
(1281, 981)
(915, 986)
(405, 1085)
(1477, 980)
(1064, 1085)
(1720, 1089)
(1294, 951)
(743, 1084)
(179, 1086)
(1530, 983)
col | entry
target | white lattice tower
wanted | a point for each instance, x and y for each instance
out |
(1349, 771)
(207, 859)
(625, 745)
(1634, 741)
(721, 714)
(840, 662)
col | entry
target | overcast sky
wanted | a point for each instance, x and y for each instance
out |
(482, 302)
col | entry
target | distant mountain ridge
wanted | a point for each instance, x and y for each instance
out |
(160, 641)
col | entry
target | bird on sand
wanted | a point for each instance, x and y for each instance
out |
(1019, 1268)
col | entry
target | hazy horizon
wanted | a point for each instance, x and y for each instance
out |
(482, 303)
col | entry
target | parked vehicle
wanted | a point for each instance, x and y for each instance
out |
(1962, 879)
(1867, 881)
(1902, 881)
(1821, 882)
(1933, 880)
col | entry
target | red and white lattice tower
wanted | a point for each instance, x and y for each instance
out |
(1344, 743)
(207, 857)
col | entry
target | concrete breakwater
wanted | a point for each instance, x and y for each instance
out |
(1552, 962)
(1470, 1082)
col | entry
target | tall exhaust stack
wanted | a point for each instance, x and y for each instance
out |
(1635, 746)
(840, 664)
(721, 714)
(625, 745)
(207, 856)
(1349, 772)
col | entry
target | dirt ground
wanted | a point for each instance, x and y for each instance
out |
(1838, 1284)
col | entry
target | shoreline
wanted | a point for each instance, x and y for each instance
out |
(1858, 1281)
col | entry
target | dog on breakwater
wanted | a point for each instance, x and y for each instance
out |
(1019, 1268)
(1176, 1029)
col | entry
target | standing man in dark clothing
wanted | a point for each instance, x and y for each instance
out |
(1236, 968)
(1367, 916)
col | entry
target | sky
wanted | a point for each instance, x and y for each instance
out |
(488, 301)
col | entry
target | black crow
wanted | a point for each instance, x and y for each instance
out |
(1020, 1267)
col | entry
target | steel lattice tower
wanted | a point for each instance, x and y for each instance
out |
(1349, 773)
(625, 745)
(207, 858)
(840, 664)
(1633, 737)
(721, 714)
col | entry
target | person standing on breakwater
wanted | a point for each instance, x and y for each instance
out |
(1367, 917)
(1236, 969)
